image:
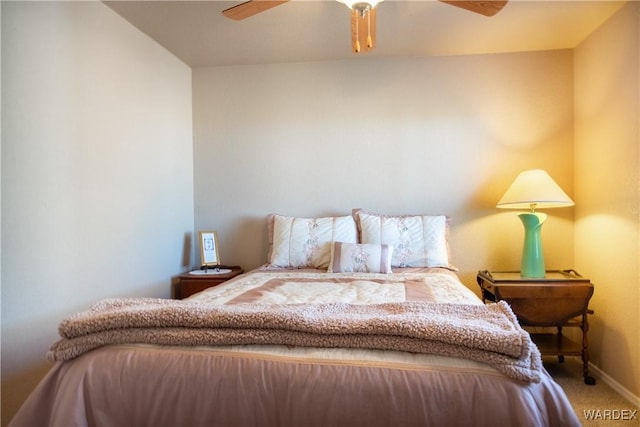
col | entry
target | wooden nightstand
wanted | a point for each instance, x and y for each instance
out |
(560, 299)
(190, 284)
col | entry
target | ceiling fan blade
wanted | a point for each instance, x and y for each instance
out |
(250, 8)
(363, 31)
(483, 7)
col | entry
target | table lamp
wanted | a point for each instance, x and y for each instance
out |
(533, 189)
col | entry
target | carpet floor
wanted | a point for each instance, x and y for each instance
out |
(596, 406)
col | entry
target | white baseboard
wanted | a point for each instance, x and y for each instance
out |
(597, 372)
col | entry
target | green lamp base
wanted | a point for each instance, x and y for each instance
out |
(532, 256)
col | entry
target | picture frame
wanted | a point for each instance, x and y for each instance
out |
(209, 254)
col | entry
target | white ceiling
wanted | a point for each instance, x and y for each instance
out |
(317, 30)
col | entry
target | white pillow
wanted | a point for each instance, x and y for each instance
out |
(306, 242)
(360, 258)
(417, 240)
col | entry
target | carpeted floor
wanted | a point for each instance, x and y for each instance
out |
(596, 406)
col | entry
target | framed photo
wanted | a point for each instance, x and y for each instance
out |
(209, 254)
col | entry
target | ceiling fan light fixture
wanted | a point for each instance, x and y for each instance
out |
(360, 6)
(363, 23)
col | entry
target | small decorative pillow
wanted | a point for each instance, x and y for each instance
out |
(306, 242)
(417, 240)
(360, 258)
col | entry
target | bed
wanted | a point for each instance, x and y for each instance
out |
(341, 327)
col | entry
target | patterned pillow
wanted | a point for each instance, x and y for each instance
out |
(306, 242)
(360, 258)
(417, 240)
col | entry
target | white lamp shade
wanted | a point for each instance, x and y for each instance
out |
(534, 189)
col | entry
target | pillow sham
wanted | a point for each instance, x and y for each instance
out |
(360, 258)
(306, 242)
(417, 240)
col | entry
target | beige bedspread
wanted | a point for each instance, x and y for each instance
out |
(312, 286)
(490, 334)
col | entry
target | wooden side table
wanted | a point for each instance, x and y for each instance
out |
(190, 283)
(560, 299)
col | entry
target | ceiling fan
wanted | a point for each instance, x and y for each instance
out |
(363, 15)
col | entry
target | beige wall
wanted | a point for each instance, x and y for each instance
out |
(607, 189)
(97, 173)
(97, 169)
(415, 135)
